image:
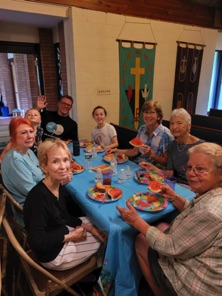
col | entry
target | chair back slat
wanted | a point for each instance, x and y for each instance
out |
(24, 256)
(41, 281)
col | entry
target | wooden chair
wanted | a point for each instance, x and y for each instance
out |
(3, 248)
(3, 260)
(11, 207)
(41, 280)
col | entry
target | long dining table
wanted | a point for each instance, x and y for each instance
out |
(120, 272)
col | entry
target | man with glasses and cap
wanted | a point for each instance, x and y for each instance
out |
(58, 124)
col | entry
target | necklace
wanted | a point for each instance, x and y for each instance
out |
(183, 146)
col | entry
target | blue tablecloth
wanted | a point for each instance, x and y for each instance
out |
(120, 273)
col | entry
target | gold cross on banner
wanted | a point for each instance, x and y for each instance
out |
(137, 71)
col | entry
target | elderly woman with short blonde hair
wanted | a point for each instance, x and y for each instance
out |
(59, 240)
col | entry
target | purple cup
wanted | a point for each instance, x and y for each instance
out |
(171, 181)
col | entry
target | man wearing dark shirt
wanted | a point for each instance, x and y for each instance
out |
(58, 124)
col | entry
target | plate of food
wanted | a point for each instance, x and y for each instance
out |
(145, 177)
(104, 193)
(102, 167)
(120, 157)
(136, 142)
(76, 168)
(98, 148)
(85, 143)
(68, 142)
(148, 202)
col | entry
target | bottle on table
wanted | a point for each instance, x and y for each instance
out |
(122, 176)
(94, 152)
(99, 176)
(128, 172)
(88, 159)
(76, 147)
(113, 165)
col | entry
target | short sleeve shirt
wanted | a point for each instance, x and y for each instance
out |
(104, 134)
(158, 141)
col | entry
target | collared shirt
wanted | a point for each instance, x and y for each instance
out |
(158, 141)
(191, 252)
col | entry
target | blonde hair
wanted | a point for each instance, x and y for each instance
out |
(211, 149)
(48, 145)
(32, 109)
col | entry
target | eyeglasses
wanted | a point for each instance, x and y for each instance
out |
(150, 112)
(66, 105)
(197, 170)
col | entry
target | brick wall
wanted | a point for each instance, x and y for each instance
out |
(48, 63)
(26, 75)
(63, 57)
(31, 59)
(6, 86)
(23, 82)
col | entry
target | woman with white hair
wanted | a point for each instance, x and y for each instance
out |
(177, 151)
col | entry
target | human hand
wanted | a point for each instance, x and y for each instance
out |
(67, 179)
(146, 149)
(111, 150)
(78, 234)
(147, 166)
(129, 215)
(41, 102)
(167, 191)
(95, 232)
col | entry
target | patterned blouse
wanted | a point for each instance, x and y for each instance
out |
(191, 252)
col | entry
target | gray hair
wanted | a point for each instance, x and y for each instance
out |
(181, 112)
(214, 151)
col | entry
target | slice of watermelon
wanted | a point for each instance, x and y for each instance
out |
(114, 193)
(154, 186)
(136, 142)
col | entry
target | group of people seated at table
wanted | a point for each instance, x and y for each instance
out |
(183, 256)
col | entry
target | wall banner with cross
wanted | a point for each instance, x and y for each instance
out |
(136, 83)
(188, 66)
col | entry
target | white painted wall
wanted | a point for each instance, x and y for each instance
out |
(219, 41)
(96, 60)
(93, 60)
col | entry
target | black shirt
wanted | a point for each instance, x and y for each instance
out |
(58, 126)
(45, 219)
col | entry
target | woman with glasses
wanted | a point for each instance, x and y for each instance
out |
(153, 134)
(177, 150)
(58, 124)
(186, 258)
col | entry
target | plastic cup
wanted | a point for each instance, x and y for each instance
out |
(107, 178)
(171, 181)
